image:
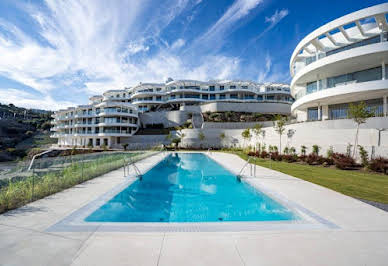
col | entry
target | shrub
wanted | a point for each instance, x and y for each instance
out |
(364, 156)
(286, 150)
(251, 153)
(302, 158)
(312, 158)
(275, 156)
(343, 161)
(330, 152)
(290, 158)
(379, 164)
(263, 154)
(125, 146)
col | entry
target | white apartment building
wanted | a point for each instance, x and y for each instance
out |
(112, 118)
(344, 61)
(174, 94)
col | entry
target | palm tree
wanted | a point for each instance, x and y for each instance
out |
(280, 127)
(359, 113)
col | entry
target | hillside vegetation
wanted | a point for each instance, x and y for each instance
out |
(22, 129)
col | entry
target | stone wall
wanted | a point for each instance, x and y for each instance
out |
(167, 118)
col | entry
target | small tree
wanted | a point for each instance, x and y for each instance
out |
(330, 152)
(222, 137)
(176, 142)
(316, 149)
(246, 134)
(125, 146)
(303, 150)
(359, 113)
(364, 156)
(280, 127)
(257, 130)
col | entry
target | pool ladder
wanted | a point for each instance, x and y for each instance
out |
(252, 169)
(138, 174)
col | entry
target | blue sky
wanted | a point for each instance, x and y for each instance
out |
(57, 53)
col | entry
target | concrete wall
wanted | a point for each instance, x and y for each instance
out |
(167, 118)
(337, 134)
(264, 108)
(139, 142)
(235, 125)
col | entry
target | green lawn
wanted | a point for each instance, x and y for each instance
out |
(357, 184)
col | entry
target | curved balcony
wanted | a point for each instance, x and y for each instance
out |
(117, 114)
(136, 101)
(341, 63)
(313, 42)
(344, 93)
(117, 124)
(147, 93)
(93, 114)
(178, 100)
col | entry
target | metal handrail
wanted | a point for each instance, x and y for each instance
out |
(126, 168)
(252, 169)
(35, 156)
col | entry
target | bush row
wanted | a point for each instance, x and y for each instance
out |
(340, 160)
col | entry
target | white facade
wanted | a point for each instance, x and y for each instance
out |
(102, 123)
(110, 119)
(344, 61)
(172, 95)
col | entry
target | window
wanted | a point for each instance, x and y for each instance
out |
(97, 142)
(212, 97)
(359, 76)
(222, 96)
(212, 88)
(311, 87)
(244, 87)
(340, 111)
(232, 87)
(222, 88)
(312, 114)
(205, 96)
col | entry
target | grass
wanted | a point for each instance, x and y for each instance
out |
(19, 193)
(357, 184)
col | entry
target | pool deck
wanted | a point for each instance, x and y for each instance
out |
(360, 238)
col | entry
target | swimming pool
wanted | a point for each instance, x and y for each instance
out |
(190, 187)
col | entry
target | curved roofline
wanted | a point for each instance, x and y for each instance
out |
(335, 24)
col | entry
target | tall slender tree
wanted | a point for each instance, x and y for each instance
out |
(280, 127)
(359, 113)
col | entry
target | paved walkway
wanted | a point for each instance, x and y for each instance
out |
(361, 240)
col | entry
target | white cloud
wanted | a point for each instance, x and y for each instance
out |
(215, 35)
(89, 46)
(29, 100)
(178, 44)
(276, 17)
(263, 74)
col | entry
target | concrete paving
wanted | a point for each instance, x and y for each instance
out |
(361, 239)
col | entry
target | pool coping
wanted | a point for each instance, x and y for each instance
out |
(75, 221)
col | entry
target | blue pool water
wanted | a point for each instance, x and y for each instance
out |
(190, 187)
